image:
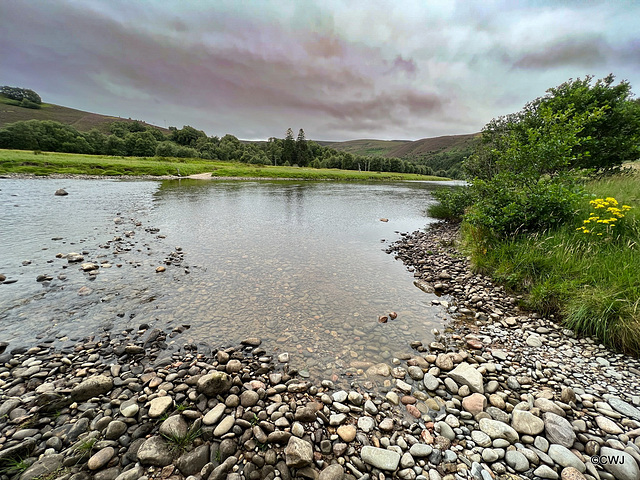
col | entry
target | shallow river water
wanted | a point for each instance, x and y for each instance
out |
(300, 265)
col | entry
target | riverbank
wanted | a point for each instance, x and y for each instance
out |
(501, 394)
(100, 166)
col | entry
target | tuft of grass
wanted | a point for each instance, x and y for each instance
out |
(180, 443)
(85, 446)
(13, 466)
(592, 283)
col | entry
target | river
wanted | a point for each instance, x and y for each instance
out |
(300, 265)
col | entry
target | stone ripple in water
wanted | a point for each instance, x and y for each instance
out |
(298, 264)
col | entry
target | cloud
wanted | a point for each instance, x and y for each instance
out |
(583, 52)
(338, 69)
(402, 65)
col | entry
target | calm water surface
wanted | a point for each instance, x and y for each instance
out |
(299, 264)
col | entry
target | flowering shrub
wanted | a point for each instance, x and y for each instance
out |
(604, 217)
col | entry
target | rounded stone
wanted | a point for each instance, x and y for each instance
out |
(474, 403)
(347, 433)
(101, 458)
(517, 461)
(249, 398)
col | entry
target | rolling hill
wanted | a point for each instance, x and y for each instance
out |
(80, 120)
(406, 148)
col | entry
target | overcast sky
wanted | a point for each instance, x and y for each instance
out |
(339, 69)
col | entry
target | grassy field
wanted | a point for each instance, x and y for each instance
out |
(26, 162)
(591, 281)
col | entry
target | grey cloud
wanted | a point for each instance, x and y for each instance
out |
(583, 52)
(402, 65)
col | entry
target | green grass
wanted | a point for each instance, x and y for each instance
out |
(13, 466)
(592, 283)
(180, 443)
(44, 163)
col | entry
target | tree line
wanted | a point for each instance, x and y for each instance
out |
(133, 138)
(22, 97)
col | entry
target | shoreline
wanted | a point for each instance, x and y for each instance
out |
(199, 176)
(501, 394)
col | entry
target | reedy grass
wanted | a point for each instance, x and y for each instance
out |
(44, 163)
(592, 283)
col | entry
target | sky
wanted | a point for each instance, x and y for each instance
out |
(340, 70)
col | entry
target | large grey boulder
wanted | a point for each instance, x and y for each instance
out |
(565, 457)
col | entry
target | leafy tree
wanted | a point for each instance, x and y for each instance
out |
(166, 149)
(532, 186)
(20, 94)
(115, 146)
(609, 136)
(187, 136)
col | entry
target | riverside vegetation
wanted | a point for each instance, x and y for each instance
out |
(533, 216)
(136, 139)
(21, 162)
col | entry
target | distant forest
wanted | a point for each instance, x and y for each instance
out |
(134, 138)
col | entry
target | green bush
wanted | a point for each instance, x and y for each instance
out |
(452, 203)
(511, 211)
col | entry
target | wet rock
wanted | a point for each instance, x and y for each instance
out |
(61, 192)
(380, 369)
